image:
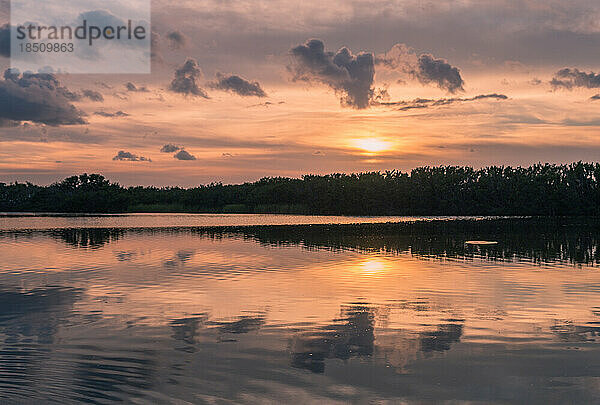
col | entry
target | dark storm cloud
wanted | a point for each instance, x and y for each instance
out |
(184, 155)
(112, 115)
(38, 98)
(122, 155)
(238, 85)
(169, 148)
(132, 87)
(185, 79)
(427, 103)
(177, 39)
(351, 76)
(438, 71)
(569, 78)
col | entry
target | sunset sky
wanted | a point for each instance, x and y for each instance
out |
(245, 89)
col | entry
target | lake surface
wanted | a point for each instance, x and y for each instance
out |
(9, 221)
(139, 309)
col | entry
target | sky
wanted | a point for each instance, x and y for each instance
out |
(245, 89)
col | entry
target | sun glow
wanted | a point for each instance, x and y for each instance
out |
(372, 145)
(372, 266)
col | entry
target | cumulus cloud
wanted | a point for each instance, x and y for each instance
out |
(238, 85)
(39, 98)
(92, 95)
(184, 155)
(569, 78)
(169, 148)
(351, 76)
(185, 79)
(426, 102)
(181, 154)
(132, 87)
(122, 155)
(426, 68)
(177, 39)
(438, 71)
(112, 115)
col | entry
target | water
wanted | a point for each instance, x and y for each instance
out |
(10, 221)
(395, 313)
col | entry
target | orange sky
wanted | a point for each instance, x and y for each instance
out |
(509, 48)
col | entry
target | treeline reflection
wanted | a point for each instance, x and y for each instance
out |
(572, 240)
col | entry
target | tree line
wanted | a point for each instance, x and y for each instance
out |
(540, 189)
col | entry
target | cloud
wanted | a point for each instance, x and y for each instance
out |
(425, 68)
(38, 98)
(5, 41)
(398, 57)
(238, 85)
(426, 103)
(132, 87)
(351, 76)
(181, 154)
(535, 81)
(177, 39)
(184, 155)
(440, 72)
(92, 95)
(115, 114)
(169, 148)
(155, 52)
(266, 104)
(572, 77)
(185, 79)
(128, 156)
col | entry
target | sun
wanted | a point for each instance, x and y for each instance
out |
(372, 145)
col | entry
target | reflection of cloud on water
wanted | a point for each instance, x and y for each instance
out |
(354, 335)
(179, 259)
(441, 339)
(187, 330)
(37, 312)
(350, 336)
(106, 361)
(568, 331)
(29, 324)
(244, 324)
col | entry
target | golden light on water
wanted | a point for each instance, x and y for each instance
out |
(372, 265)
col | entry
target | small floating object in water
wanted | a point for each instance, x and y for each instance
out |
(481, 242)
